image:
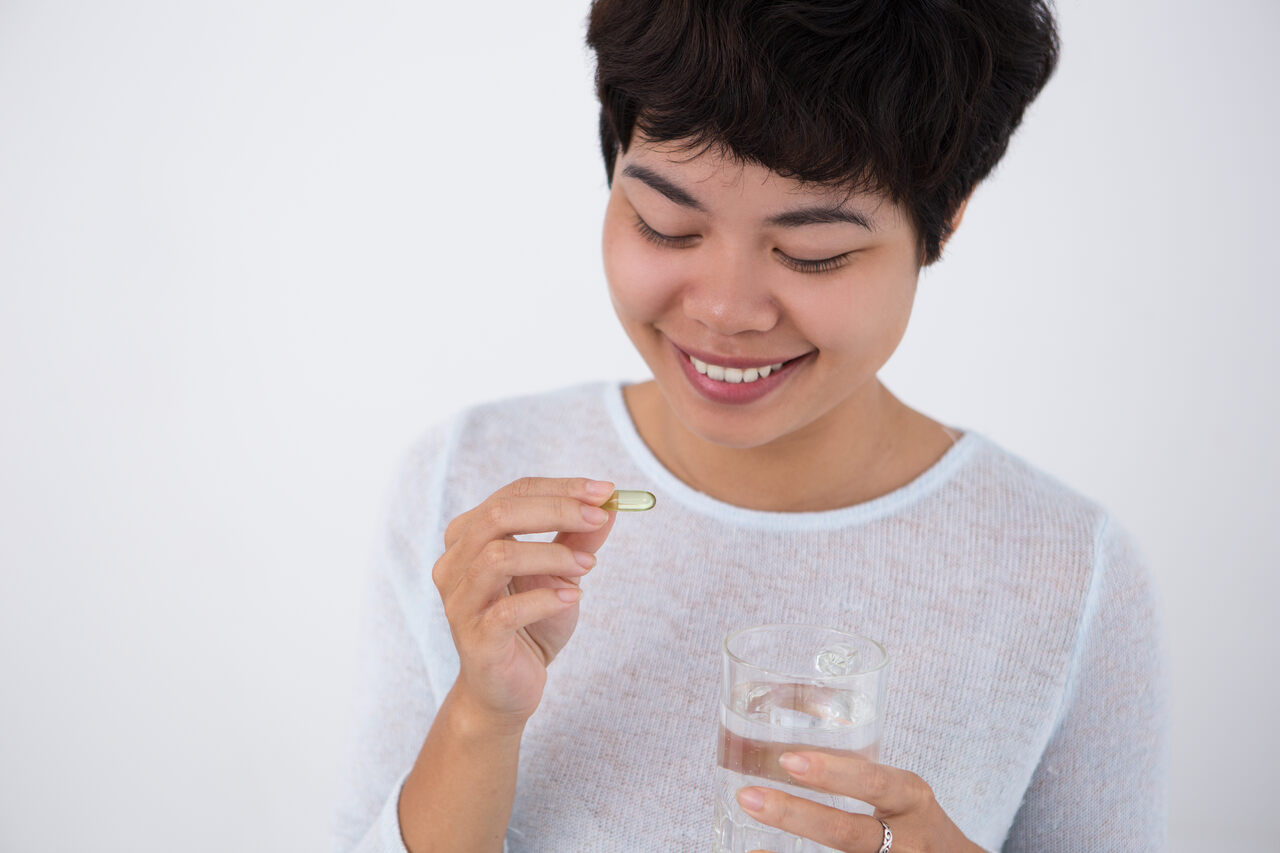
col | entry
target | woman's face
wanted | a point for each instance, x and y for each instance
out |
(740, 268)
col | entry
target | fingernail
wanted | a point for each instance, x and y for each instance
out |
(569, 596)
(793, 763)
(599, 488)
(594, 514)
(584, 559)
(751, 799)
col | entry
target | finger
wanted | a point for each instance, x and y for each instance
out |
(509, 516)
(889, 789)
(509, 614)
(589, 541)
(505, 517)
(854, 833)
(500, 560)
(594, 492)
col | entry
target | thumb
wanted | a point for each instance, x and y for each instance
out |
(589, 541)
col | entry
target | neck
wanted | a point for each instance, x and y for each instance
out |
(866, 447)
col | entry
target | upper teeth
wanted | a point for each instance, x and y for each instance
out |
(733, 374)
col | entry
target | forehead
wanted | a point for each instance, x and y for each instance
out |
(713, 163)
(713, 173)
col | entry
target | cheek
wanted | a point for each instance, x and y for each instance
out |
(641, 285)
(862, 318)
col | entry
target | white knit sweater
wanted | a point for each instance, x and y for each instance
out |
(1029, 674)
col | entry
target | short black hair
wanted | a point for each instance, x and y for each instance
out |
(913, 98)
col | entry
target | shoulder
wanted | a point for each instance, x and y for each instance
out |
(1094, 554)
(1059, 539)
(1006, 482)
(1013, 500)
(457, 462)
(1015, 488)
(1060, 560)
(499, 427)
(535, 434)
(539, 416)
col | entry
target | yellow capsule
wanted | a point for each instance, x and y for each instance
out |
(629, 500)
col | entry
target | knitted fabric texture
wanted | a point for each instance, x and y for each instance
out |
(1028, 681)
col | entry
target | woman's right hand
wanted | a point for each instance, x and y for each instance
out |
(512, 605)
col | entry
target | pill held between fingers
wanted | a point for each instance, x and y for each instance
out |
(629, 500)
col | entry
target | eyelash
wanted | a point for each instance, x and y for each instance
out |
(820, 266)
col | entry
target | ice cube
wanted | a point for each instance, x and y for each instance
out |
(840, 659)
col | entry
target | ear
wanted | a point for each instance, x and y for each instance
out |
(956, 219)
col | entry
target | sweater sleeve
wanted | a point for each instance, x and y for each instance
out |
(394, 704)
(1102, 782)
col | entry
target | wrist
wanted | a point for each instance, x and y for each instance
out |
(468, 718)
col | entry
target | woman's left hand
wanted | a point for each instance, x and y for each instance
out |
(901, 798)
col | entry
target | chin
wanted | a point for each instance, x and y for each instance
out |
(741, 431)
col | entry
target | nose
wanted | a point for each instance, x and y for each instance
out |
(729, 298)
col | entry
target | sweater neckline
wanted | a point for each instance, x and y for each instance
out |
(673, 488)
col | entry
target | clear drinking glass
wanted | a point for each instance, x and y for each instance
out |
(787, 687)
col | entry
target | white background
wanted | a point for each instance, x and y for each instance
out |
(249, 250)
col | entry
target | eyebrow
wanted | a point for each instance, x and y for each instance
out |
(814, 215)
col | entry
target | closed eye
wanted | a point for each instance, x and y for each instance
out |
(662, 239)
(797, 264)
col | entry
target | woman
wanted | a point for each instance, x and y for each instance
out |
(779, 173)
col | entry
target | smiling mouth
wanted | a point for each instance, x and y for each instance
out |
(733, 375)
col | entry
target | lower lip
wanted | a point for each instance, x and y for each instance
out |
(736, 393)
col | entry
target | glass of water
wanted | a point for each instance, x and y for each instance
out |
(788, 687)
